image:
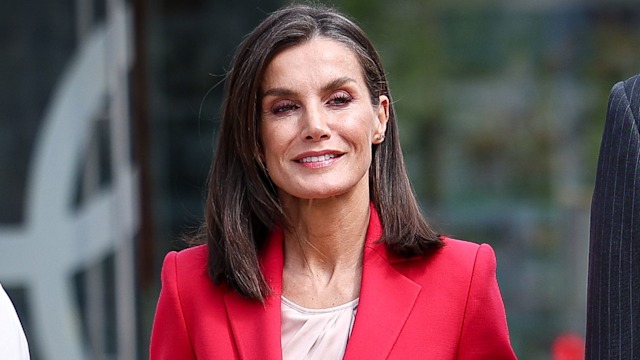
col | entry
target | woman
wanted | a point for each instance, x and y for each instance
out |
(315, 245)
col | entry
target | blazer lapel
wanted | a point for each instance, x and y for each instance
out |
(386, 300)
(256, 326)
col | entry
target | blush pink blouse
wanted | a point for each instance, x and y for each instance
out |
(316, 333)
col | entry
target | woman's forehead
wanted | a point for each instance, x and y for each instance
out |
(319, 59)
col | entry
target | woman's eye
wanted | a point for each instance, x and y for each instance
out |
(340, 99)
(281, 108)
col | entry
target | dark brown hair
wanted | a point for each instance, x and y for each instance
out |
(242, 204)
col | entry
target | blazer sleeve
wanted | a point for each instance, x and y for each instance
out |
(169, 336)
(485, 334)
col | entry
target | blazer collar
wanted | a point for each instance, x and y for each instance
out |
(386, 300)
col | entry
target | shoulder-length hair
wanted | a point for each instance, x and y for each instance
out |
(242, 204)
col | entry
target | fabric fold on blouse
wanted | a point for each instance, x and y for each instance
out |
(316, 333)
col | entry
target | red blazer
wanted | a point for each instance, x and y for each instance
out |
(443, 306)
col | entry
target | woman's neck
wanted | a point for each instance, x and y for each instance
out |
(323, 252)
(327, 231)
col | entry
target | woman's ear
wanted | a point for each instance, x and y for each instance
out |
(382, 119)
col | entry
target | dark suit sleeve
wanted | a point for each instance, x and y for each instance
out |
(613, 300)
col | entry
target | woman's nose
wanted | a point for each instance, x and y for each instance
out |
(315, 125)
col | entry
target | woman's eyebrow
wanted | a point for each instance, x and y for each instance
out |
(337, 83)
(277, 92)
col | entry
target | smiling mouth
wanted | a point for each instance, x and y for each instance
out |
(312, 159)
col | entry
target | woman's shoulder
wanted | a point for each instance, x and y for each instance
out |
(460, 244)
(465, 249)
(186, 265)
(463, 256)
(453, 266)
(468, 253)
(196, 253)
(185, 272)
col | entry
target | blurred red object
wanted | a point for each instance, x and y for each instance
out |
(568, 346)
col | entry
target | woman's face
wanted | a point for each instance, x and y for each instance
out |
(317, 121)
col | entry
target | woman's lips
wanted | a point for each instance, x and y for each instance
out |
(320, 158)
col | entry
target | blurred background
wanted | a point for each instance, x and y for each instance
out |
(108, 113)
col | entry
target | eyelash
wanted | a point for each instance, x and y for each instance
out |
(340, 99)
(284, 107)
